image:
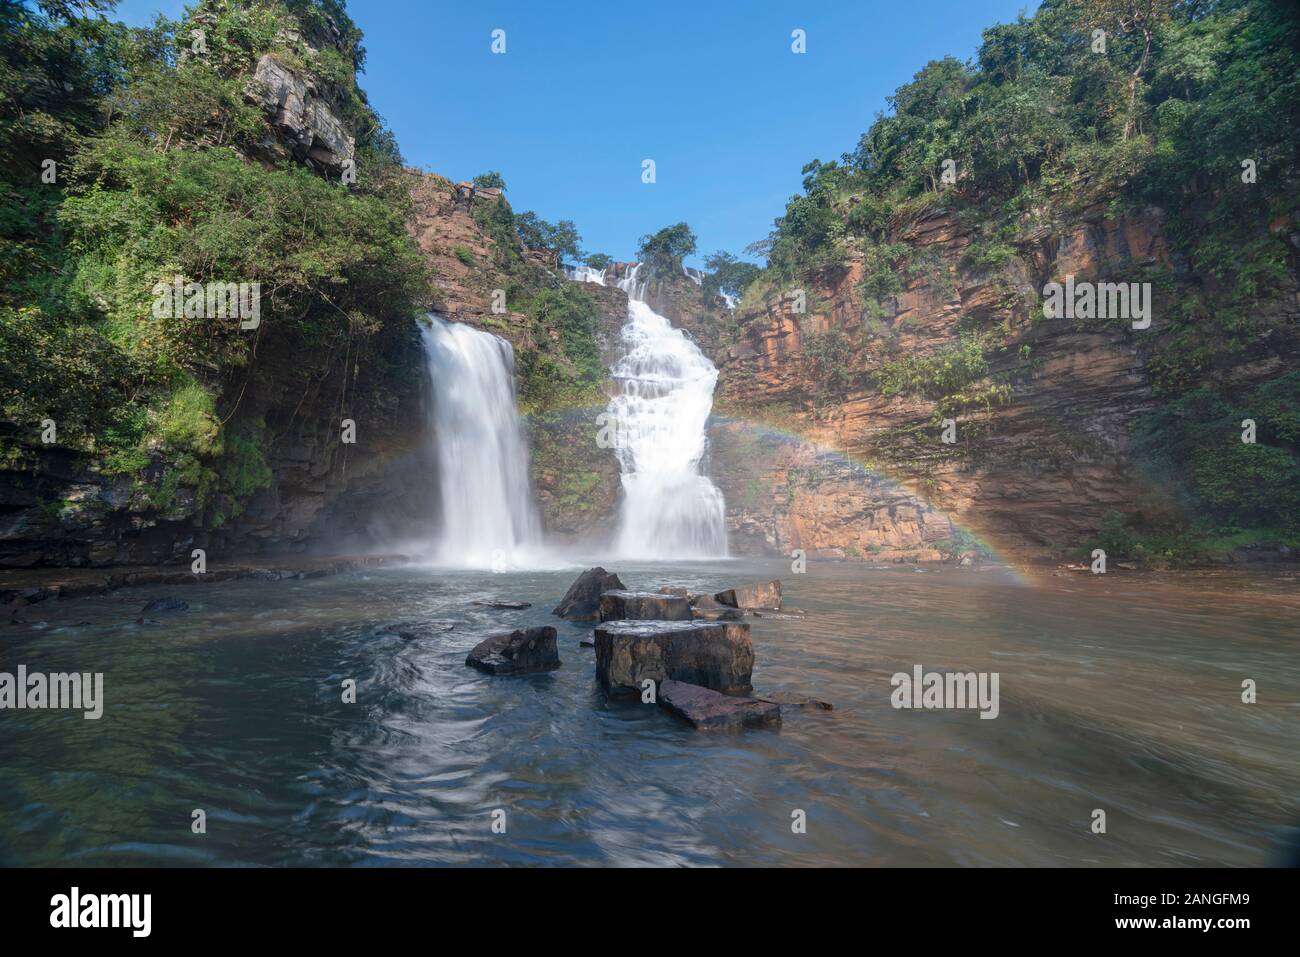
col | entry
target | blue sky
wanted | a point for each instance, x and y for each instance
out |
(709, 90)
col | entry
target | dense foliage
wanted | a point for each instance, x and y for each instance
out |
(157, 179)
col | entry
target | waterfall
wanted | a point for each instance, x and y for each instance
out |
(488, 518)
(664, 394)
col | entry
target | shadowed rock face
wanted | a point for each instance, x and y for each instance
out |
(709, 711)
(306, 124)
(519, 652)
(643, 606)
(582, 601)
(715, 655)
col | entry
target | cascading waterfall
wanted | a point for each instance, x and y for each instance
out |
(664, 396)
(488, 517)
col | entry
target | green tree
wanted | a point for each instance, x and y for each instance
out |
(666, 249)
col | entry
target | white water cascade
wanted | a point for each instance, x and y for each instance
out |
(664, 384)
(488, 517)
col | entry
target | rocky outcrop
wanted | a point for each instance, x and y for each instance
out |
(707, 710)
(643, 606)
(305, 125)
(582, 601)
(520, 652)
(715, 655)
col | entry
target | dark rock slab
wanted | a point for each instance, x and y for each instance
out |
(504, 603)
(717, 655)
(799, 701)
(414, 630)
(582, 601)
(168, 603)
(756, 595)
(643, 606)
(520, 652)
(707, 710)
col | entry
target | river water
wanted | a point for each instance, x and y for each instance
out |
(1120, 693)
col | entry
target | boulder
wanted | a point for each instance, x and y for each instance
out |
(706, 609)
(717, 655)
(582, 601)
(758, 595)
(643, 606)
(519, 652)
(678, 590)
(708, 710)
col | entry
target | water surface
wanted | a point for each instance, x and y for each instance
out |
(1121, 693)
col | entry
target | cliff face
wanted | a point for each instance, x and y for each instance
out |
(1036, 466)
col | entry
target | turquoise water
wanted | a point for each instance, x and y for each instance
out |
(1120, 693)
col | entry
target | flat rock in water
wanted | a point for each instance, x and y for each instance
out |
(503, 603)
(643, 606)
(165, 604)
(788, 614)
(758, 595)
(413, 630)
(717, 655)
(678, 590)
(798, 701)
(582, 601)
(520, 652)
(707, 710)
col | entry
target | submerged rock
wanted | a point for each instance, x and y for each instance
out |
(757, 595)
(519, 652)
(717, 655)
(582, 601)
(804, 702)
(643, 606)
(788, 613)
(505, 603)
(165, 604)
(412, 630)
(707, 710)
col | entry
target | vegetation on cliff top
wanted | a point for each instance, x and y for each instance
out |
(159, 174)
